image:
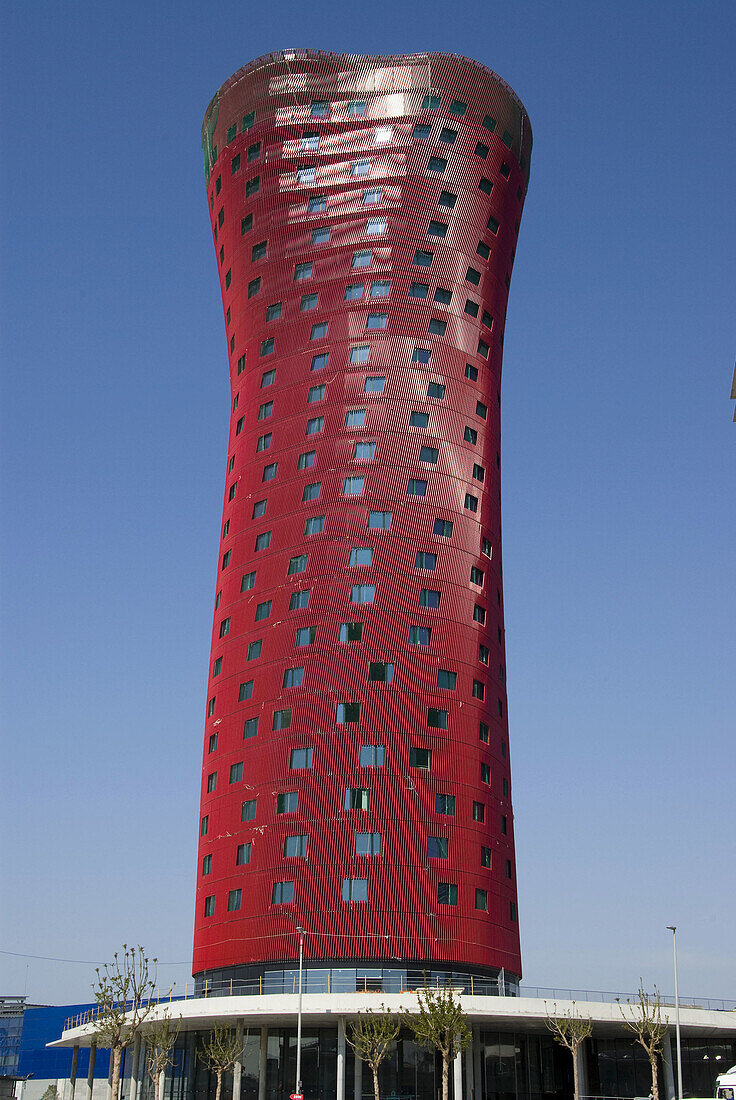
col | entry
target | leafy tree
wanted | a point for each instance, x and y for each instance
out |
(220, 1051)
(124, 992)
(370, 1036)
(644, 1018)
(442, 1024)
(571, 1031)
(51, 1093)
(160, 1042)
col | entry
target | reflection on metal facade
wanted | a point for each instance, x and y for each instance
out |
(365, 212)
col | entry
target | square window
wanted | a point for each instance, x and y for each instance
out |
(418, 419)
(364, 450)
(357, 798)
(471, 372)
(311, 491)
(355, 889)
(305, 635)
(416, 487)
(282, 893)
(236, 772)
(242, 854)
(225, 627)
(446, 679)
(309, 301)
(254, 151)
(246, 224)
(371, 195)
(447, 893)
(481, 900)
(350, 632)
(375, 225)
(282, 720)
(248, 121)
(367, 844)
(226, 558)
(448, 199)
(319, 331)
(355, 418)
(438, 847)
(319, 362)
(241, 360)
(300, 758)
(473, 277)
(476, 576)
(209, 906)
(425, 560)
(479, 472)
(442, 297)
(383, 134)
(447, 135)
(430, 102)
(212, 744)
(352, 486)
(444, 804)
(421, 355)
(443, 527)
(306, 173)
(479, 812)
(263, 610)
(471, 502)
(258, 251)
(234, 166)
(299, 600)
(437, 229)
(306, 460)
(361, 259)
(286, 802)
(419, 635)
(437, 164)
(485, 773)
(247, 581)
(245, 691)
(437, 327)
(457, 107)
(479, 614)
(421, 131)
(248, 810)
(481, 409)
(363, 593)
(231, 133)
(297, 564)
(379, 521)
(295, 846)
(357, 107)
(254, 649)
(493, 225)
(436, 389)
(269, 473)
(314, 525)
(252, 186)
(483, 250)
(264, 442)
(360, 168)
(374, 385)
(429, 454)
(268, 378)
(420, 758)
(486, 859)
(418, 290)
(423, 259)
(263, 540)
(316, 393)
(354, 291)
(211, 782)
(317, 204)
(310, 140)
(265, 410)
(316, 424)
(381, 672)
(377, 320)
(372, 756)
(485, 185)
(481, 150)
(205, 825)
(303, 271)
(321, 235)
(437, 719)
(319, 108)
(228, 279)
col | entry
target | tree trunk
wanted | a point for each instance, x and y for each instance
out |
(117, 1056)
(219, 1084)
(376, 1091)
(445, 1075)
(576, 1082)
(655, 1081)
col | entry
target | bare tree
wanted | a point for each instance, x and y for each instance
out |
(124, 992)
(442, 1024)
(220, 1051)
(570, 1030)
(644, 1018)
(370, 1036)
(161, 1039)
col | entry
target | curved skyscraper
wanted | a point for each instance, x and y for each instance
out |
(356, 780)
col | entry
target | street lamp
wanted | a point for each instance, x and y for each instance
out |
(673, 930)
(299, 1018)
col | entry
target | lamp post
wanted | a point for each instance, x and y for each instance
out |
(673, 930)
(299, 1017)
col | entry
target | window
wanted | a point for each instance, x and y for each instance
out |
(471, 307)
(310, 140)
(209, 906)
(314, 525)
(300, 758)
(309, 301)
(421, 131)
(211, 782)
(361, 555)
(508, 868)
(476, 576)
(381, 672)
(204, 827)
(361, 259)
(212, 744)
(367, 844)
(225, 627)
(419, 635)
(437, 327)
(263, 610)
(436, 389)
(437, 164)
(372, 756)
(306, 173)
(232, 491)
(248, 810)
(305, 635)
(375, 225)
(254, 649)
(246, 224)
(240, 425)
(217, 666)
(481, 150)
(447, 199)
(293, 678)
(282, 720)
(353, 486)
(471, 372)
(512, 911)
(316, 424)
(355, 889)
(254, 151)
(442, 297)
(269, 473)
(297, 564)
(423, 259)
(425, 560)
(504, 824)
(363, 593)
(317, 204)
(311, 491)
(437, 719)
(416, 487)
(421, 355)
(374, 385)
(286, 802)
(354, 291)
(364, 450)
(485, 774)
(486, 547)
(481, 900)
(418, 290)
(377, 320)
(226, 558)
(252, 186)
(247, 581)
(245, 691)
(350, 632)
(236, 772)
(360, 168)
(321, 235)
(356, 798)
(306, 460)
(319, 362)
(418, 419)
(316, 393)
(355, 418)
(268, 378)
(444, 804)
(446, 679)
(420, 758)
(447, 893)
(273, 312)
(263, 541)
(299, 600)
(479, 472)
(483, 732)
(319, 108)
(437, 847)
(357, 107)
(493, 225)
(383, 134)
(250, 728)
(479, 811)
(483, 250)
(470, 435)
(282, 893)
(258, 252)
(430, 102)
(437, 229)
(265, 410)
(303, 271)
(442, 527)
(429, 454)
(228, 279)
(346, 713)
(479, 614)
(242, 854)
(379, 521)
(295, 846)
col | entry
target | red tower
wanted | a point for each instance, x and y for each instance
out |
(356, 777)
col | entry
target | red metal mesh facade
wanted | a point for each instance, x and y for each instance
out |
(355, 149)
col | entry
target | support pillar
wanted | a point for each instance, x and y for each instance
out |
(135, 1075)
(669, 1073)
(238, 1063)
(583, 1068)
(340, 1090)
(73, 1074)
(457, 1076)
(469, 1084)
(477, 1065)
(263, 1064)
(191, 1064)
(91, 1070)
(358, 1079)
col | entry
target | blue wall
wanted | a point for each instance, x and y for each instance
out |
(41, 1026)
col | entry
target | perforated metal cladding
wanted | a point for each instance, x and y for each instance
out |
(303, 430)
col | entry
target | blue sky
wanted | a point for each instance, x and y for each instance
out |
(618, 471)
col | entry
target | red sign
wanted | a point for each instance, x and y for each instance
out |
(296, 1096)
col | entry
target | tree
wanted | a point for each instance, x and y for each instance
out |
(442, 1024)
(370, 1036)
(219, 1052)
(51, 1093)
(161, 1039)
(124, 993)
(571, 1031)
(645, 1020)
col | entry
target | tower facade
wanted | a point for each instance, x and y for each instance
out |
(356, 780)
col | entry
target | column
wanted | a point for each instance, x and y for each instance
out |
(340, 1091)
(91, 1070)
(457, 1077)
(263, 1064)
(238, 1063)
(469, 1088)
(73, 1074)
(477, 1065)
(670, 1091)
(358, 1079)
(582, 1069)
(135, 1076)
(191, 1064)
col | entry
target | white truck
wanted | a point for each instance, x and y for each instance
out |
(726, 1085)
